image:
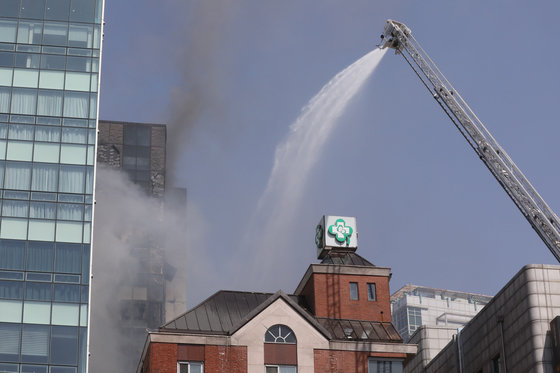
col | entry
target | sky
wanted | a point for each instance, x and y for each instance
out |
(230, 77)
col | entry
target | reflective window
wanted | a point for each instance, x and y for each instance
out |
(9, 348)
(53, 62)
(30, 32)
(7, 28)
(376, 365)
(64, 345)
(354, 291)
(191, 367)
(68, 258)
(38, 291)
(9, 8)
(371, 291)
(28, 60)
(82, 10)
(67, 293)
(35, 344)
(34, 9)
(57, 10)
(11, 289)
(12, 254)
(280, 369)
(55, 33)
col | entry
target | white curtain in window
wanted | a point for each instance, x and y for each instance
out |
(93, 106)
(89, 180)
(20, 132)
(49, 103)
(24, 101)
(68, 211)
(45, 177)
(42, 210)
(15, 208)
(35, 343)
(4, 100)
(76, 104)
(18, 175)
(50, 134)
(71, 179)
(74, 135)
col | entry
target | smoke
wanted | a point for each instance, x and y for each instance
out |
(201, 73)
(138, 255)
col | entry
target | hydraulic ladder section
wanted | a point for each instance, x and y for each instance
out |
(541, 217)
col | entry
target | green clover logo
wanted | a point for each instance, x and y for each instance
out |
(340, 231)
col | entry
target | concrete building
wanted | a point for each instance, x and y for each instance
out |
(337, 320)
(49, 79)
(414, 306)
(517, 331)
(154, 290)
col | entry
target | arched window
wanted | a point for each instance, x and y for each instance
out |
(280, 334)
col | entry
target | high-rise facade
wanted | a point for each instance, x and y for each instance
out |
(49, 73)
(149, 286)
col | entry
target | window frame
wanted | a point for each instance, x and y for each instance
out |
(387, 360)
(188, 364)
(282, 336)
(279, 367)
(357, 291)
(372, 296)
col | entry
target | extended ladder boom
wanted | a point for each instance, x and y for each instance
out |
(545, 222)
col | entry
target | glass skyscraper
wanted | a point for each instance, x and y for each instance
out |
(49, 69)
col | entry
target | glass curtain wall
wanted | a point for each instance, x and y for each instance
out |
(49, 73)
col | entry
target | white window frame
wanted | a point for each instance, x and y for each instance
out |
(279, 367)
(188, 364)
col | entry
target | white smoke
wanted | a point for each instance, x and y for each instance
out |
(129, 225)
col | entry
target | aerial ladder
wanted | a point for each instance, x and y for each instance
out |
(544, 221)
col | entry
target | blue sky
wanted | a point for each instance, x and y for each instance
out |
(230, 78)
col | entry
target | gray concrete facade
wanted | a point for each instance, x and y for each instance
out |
(511, 334)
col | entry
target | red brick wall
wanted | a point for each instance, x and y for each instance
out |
(225, 359)
(162, 358)
(330, 296)
(327, 361)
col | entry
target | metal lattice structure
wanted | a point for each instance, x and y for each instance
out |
(544, 221)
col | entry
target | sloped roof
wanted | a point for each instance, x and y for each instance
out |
(360, 330)
(227, 311)
(345, 258)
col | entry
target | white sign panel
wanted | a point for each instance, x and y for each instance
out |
(336, 232)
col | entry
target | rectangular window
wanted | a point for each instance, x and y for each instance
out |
(376, 365)
(190, 367)
(414, 319)
(371, 292)
(354, 291)
(280, 369)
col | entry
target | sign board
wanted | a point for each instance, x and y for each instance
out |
(336, 233)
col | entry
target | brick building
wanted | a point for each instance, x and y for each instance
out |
(338, 320)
